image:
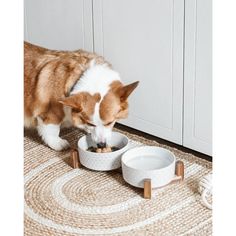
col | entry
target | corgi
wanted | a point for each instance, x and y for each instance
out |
(72, 88)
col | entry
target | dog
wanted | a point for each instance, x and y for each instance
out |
(72, 88)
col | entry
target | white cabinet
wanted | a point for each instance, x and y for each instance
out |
(198, 76)
(144, 41)
(165, 44)
(59, 24)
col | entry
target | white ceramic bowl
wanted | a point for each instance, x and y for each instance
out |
(102, 161)
(148, 162)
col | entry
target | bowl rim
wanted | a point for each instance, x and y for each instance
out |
(107, 153)
(124, 156)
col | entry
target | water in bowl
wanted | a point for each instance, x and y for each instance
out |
(148, 162)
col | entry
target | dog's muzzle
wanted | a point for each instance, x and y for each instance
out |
(101, 145)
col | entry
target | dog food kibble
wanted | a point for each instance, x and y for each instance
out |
(102, 150)
(106, 149)
(98, 150)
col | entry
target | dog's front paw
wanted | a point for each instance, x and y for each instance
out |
(58, 144)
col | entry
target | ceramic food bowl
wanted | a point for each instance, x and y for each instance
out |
(102, 161)
(148, 162)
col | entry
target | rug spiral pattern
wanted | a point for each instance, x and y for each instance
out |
(63, 201)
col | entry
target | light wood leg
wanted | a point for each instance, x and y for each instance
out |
(147, 192)
(75, 159)
(179, 169)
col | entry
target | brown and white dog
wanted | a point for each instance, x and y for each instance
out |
(75, 88)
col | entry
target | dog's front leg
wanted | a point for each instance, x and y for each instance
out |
(50, 135)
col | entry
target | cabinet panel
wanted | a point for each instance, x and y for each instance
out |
(144, 41)
(198, 76)
(59, 24)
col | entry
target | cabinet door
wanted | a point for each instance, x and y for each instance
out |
(59, 24)
(198, 76)
(144, 41)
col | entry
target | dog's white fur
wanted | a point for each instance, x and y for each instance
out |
(96, 79)
(50, 135)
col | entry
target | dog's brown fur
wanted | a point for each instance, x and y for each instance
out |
(50, 75)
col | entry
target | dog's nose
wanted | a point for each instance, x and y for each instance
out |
(101, 145)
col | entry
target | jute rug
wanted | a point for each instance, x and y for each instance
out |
(63, 201)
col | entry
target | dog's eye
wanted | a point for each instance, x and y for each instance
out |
(109, 123)
(90, 124)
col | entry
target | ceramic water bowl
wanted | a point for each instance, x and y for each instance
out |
(148, 162)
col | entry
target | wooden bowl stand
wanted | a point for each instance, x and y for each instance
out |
(147, 190)
(179, 177)
(75, 159)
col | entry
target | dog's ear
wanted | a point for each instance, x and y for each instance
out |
(126, 90)
(72, 101)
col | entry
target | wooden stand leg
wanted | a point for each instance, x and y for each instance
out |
(75, 159)
(147, 192)
(179, 169)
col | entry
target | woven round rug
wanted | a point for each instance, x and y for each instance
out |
(63, 201)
